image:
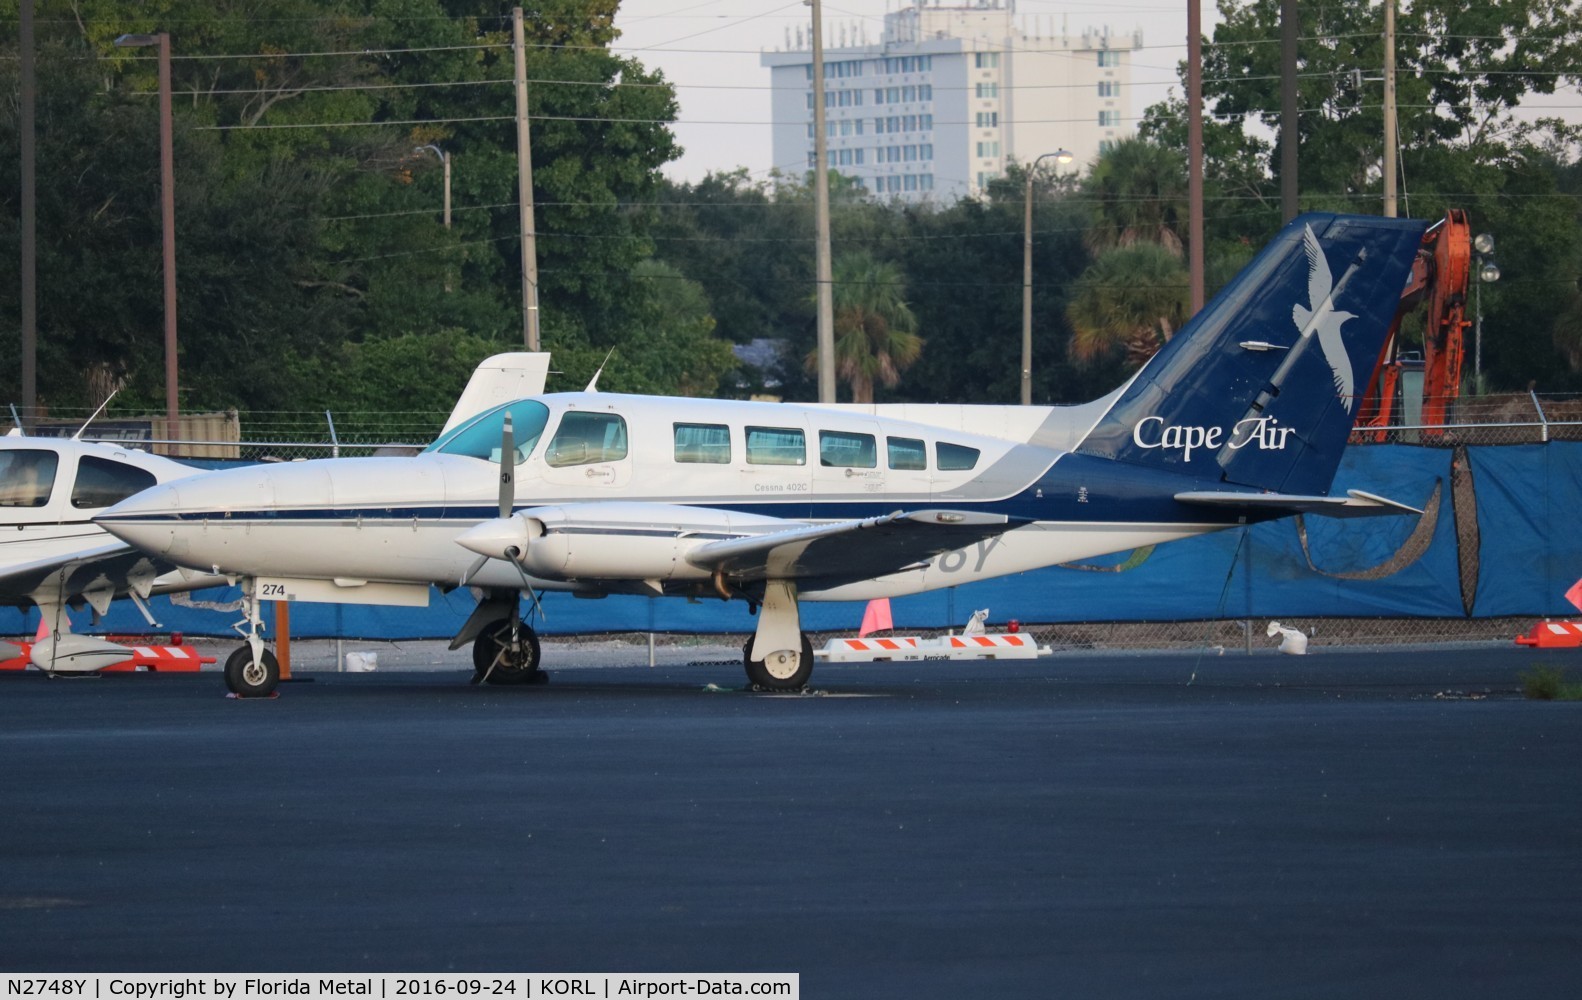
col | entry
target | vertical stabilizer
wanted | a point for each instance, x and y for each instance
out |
(503, 378)
(1260, 388)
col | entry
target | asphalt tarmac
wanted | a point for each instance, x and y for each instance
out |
(1393, 823)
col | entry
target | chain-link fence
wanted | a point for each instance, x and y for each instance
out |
(1215, 638)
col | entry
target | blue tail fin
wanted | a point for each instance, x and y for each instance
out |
(1260, 388)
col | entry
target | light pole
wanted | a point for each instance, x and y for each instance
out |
(1487, 271)
(444, 162)
(167, 199)
(1061, 157)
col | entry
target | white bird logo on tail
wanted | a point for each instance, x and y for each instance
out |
(1325, 320)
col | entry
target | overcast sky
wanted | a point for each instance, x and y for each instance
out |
(709, 50)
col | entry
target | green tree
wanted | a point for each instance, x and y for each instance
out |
(1130, 301)
(1462, 69)
(1138, 193)
(875, 330)
(299, 246)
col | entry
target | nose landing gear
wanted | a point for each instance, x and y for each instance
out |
(251, 671)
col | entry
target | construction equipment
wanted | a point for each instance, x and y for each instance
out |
(1439, 281)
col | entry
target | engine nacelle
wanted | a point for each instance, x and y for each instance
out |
(627, 541)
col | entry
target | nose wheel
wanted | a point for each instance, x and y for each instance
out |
(249, 678)
(506, 652)
(251, 671)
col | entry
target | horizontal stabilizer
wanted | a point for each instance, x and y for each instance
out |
(850, 550)
(1355, 503)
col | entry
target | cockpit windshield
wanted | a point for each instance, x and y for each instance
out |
(480, 436)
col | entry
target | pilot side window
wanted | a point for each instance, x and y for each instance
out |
(101, 482)
(587, 438)
(842, 450)
(709, 444)
(954, 457)
(26, 477)
(776, 446)
(907, 454)
(482, 436)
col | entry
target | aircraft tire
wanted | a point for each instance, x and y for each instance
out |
(247, 681)
(761, 676)
(521, 668)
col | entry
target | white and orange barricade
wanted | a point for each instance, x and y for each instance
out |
(996, 646)
(1552, 635)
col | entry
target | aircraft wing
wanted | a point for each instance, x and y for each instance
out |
(98, 572)
(20, 579)
(849, 550)
(1355, 503)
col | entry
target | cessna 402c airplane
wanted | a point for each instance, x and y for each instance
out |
(1241, 418)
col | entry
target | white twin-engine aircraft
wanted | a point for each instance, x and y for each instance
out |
(1240, 418)
(54, 556)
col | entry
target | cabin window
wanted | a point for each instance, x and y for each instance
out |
(708, 444)
(776, 446)
(840, 449)
(26, 477)
(954, 457)
(101, 482)
(587, 438)
(908, 454)
(480, 436)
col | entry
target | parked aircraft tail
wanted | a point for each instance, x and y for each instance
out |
(1260, 388)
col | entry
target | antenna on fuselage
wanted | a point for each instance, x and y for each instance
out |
(96, 413)
(593, 383)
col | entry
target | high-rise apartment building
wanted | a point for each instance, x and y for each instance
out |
(950, 94)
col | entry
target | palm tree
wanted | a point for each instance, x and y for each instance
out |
(875, 330)
(1138, 190)
(1131, 299)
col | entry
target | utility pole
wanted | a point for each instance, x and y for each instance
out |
(167, 214)
(1195, 152)
(1389, 109)
(524, 190)
(1288, 110)
(29, 196)
(826, 276)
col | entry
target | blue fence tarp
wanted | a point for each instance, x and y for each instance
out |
(1528, 545)
(1396, 567)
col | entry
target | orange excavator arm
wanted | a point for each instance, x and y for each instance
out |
(1439, 280)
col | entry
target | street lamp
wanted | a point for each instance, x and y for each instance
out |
(1061, 157)
(1486, 272)
(445, 162)
(167, 199)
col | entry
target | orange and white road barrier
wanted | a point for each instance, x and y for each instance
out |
(1552, 635)
(1000, 646)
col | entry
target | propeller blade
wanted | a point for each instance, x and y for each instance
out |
(507, 468)
(472, 571)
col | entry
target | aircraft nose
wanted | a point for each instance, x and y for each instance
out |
(146, 520)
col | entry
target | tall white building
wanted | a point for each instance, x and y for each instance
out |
(938, 106)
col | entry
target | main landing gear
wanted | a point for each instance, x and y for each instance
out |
(779, 656)
(504, 646)
(252, 671)
(506, 652)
